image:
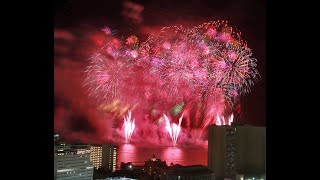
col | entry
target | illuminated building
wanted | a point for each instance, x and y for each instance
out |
(250, 177)
(154, 168)
(195, 172)
(104, 156)
(128, 166)
(236, 150)
(72, 162)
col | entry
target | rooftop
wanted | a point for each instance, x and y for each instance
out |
(194, 169)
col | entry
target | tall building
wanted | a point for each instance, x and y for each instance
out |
(195, 172)
(236, 150)
(104, 156)
(72, 162)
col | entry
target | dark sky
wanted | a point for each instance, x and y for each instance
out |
(247, 15)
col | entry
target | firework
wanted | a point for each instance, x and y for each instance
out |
(223, 122)
(129, 126)
(173, 129)
(106, 30)
(200, 72)
(106, 77)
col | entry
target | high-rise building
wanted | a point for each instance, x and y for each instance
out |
(104, 156)
(72, 162)
(236, 150)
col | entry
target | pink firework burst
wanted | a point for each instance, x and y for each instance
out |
(106, 78)
(208, 66)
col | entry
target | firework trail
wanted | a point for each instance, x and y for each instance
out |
(129, 126)
(223, 122)
(207, 68)
(173, 129)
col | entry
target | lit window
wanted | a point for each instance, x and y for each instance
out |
(65, 170)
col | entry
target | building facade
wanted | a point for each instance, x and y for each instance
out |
(236, 149)
(72, 162)
(104, 156)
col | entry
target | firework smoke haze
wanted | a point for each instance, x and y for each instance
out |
(107, 66)
(209, 64)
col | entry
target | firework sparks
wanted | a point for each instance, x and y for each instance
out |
(129, 126)
(173, 129)
(106, 30)
(207, 65)
(105, 78)
(221, 121)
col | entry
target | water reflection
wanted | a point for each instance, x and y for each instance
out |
(173, 155)
(177, 155)
(127, 153)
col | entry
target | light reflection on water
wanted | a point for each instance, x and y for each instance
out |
(177, 155)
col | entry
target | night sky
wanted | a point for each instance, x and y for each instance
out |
(77, 23)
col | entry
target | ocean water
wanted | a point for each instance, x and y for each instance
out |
(176, 155)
